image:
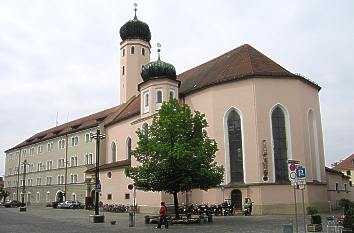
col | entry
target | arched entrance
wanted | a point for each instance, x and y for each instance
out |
(60, 196)
(236, 199)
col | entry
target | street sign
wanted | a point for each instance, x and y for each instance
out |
(301, 181)
(98, 188)
(300, 172)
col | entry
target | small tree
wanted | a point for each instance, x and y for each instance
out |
(4, 194)
(175, 153)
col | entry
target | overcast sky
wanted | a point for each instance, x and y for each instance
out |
(63, 56)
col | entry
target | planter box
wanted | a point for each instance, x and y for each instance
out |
(314, 227)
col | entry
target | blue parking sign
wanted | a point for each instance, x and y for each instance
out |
(301, 172)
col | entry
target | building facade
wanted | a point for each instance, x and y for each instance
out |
(346, 166)
(260, 114)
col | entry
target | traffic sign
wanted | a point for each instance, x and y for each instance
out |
(300, 172)
(98, 187)
(301, 181)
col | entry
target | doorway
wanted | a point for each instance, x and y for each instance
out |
(236, 199)
(60, 196)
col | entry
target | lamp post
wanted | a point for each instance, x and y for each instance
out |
(23, 207)
(97, 136)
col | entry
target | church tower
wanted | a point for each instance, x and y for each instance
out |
(134, 53)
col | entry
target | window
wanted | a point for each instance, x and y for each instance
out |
(49, 165)
(73, 178)
(88, 159)
(49, 180)
(113, 152)
(39, 149)
(31, 167)
(109, 196)
(348, 173)
(39, 166)
(146, 102)
(50, 146)
(235, 146)
(337, 187)
(158, 99)
(29, 182)
(145, 127)
(127, 196)
(48, 196)
(123, 52)
(280, 145)
(143, 51)
(60, 179)
(31, 152)
(172, 94)
(129, 147)
(61, 144)
(39, 181)
(38, 197)
(24, 153)
(73, 161)
(132, 50)
(74, 141)
(109, 174)
(88, 138)
(61, 163)
(123, 70)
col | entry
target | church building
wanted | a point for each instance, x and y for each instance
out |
(260, 114)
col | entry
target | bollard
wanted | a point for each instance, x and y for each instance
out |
(131, 219)
(147, 219)
(288, 228)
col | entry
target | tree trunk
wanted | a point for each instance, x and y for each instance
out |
(175, 202)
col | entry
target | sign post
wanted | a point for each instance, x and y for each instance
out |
(292, 165)
(301, 179)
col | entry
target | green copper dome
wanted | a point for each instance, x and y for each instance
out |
(158, 69)
(135, 29)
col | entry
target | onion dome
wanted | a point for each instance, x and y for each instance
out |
(135, 29)
(158, 69)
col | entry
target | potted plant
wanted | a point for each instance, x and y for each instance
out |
(316, 220)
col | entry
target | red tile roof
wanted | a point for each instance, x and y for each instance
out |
(70, 127)
(239, 63)
(346, 163)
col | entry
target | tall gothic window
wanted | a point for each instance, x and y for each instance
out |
(114, 152)
(132, 49)
(279, 145)
(129, 148)
(235, 146)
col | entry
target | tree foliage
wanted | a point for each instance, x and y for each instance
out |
(175, 153)
(3, 194)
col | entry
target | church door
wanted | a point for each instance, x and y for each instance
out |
(236, 199)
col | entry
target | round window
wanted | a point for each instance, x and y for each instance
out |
(109, 174)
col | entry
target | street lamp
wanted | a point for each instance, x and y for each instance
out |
(23, 207)
(97, 136)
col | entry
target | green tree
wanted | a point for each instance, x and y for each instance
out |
(175, 153)
(3, 194)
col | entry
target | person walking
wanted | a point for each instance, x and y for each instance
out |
(163, 216)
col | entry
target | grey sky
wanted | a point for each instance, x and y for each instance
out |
(63, 56)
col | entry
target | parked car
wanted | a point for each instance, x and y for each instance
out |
(70, 205)
(13, 203)
(56, 203)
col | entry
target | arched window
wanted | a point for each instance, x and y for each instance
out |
(114, 152)
(123, 70)
(172, 94)
(123, 52)
(145, 127)
(158, 99)
(143, 51)
(146, 102)
(235, 146)
(129, 147)
(314, 147)
(279, 145)
(132, 49)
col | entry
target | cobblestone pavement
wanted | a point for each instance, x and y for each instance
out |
(48, 220)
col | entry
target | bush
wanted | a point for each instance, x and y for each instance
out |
(345, 203)
(312, 210)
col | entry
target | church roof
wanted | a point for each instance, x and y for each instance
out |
(239, 63)
(347, 163)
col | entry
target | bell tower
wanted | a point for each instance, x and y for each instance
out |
(134, 53)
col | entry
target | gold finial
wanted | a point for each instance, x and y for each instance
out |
(158, 50)
(135, 6)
